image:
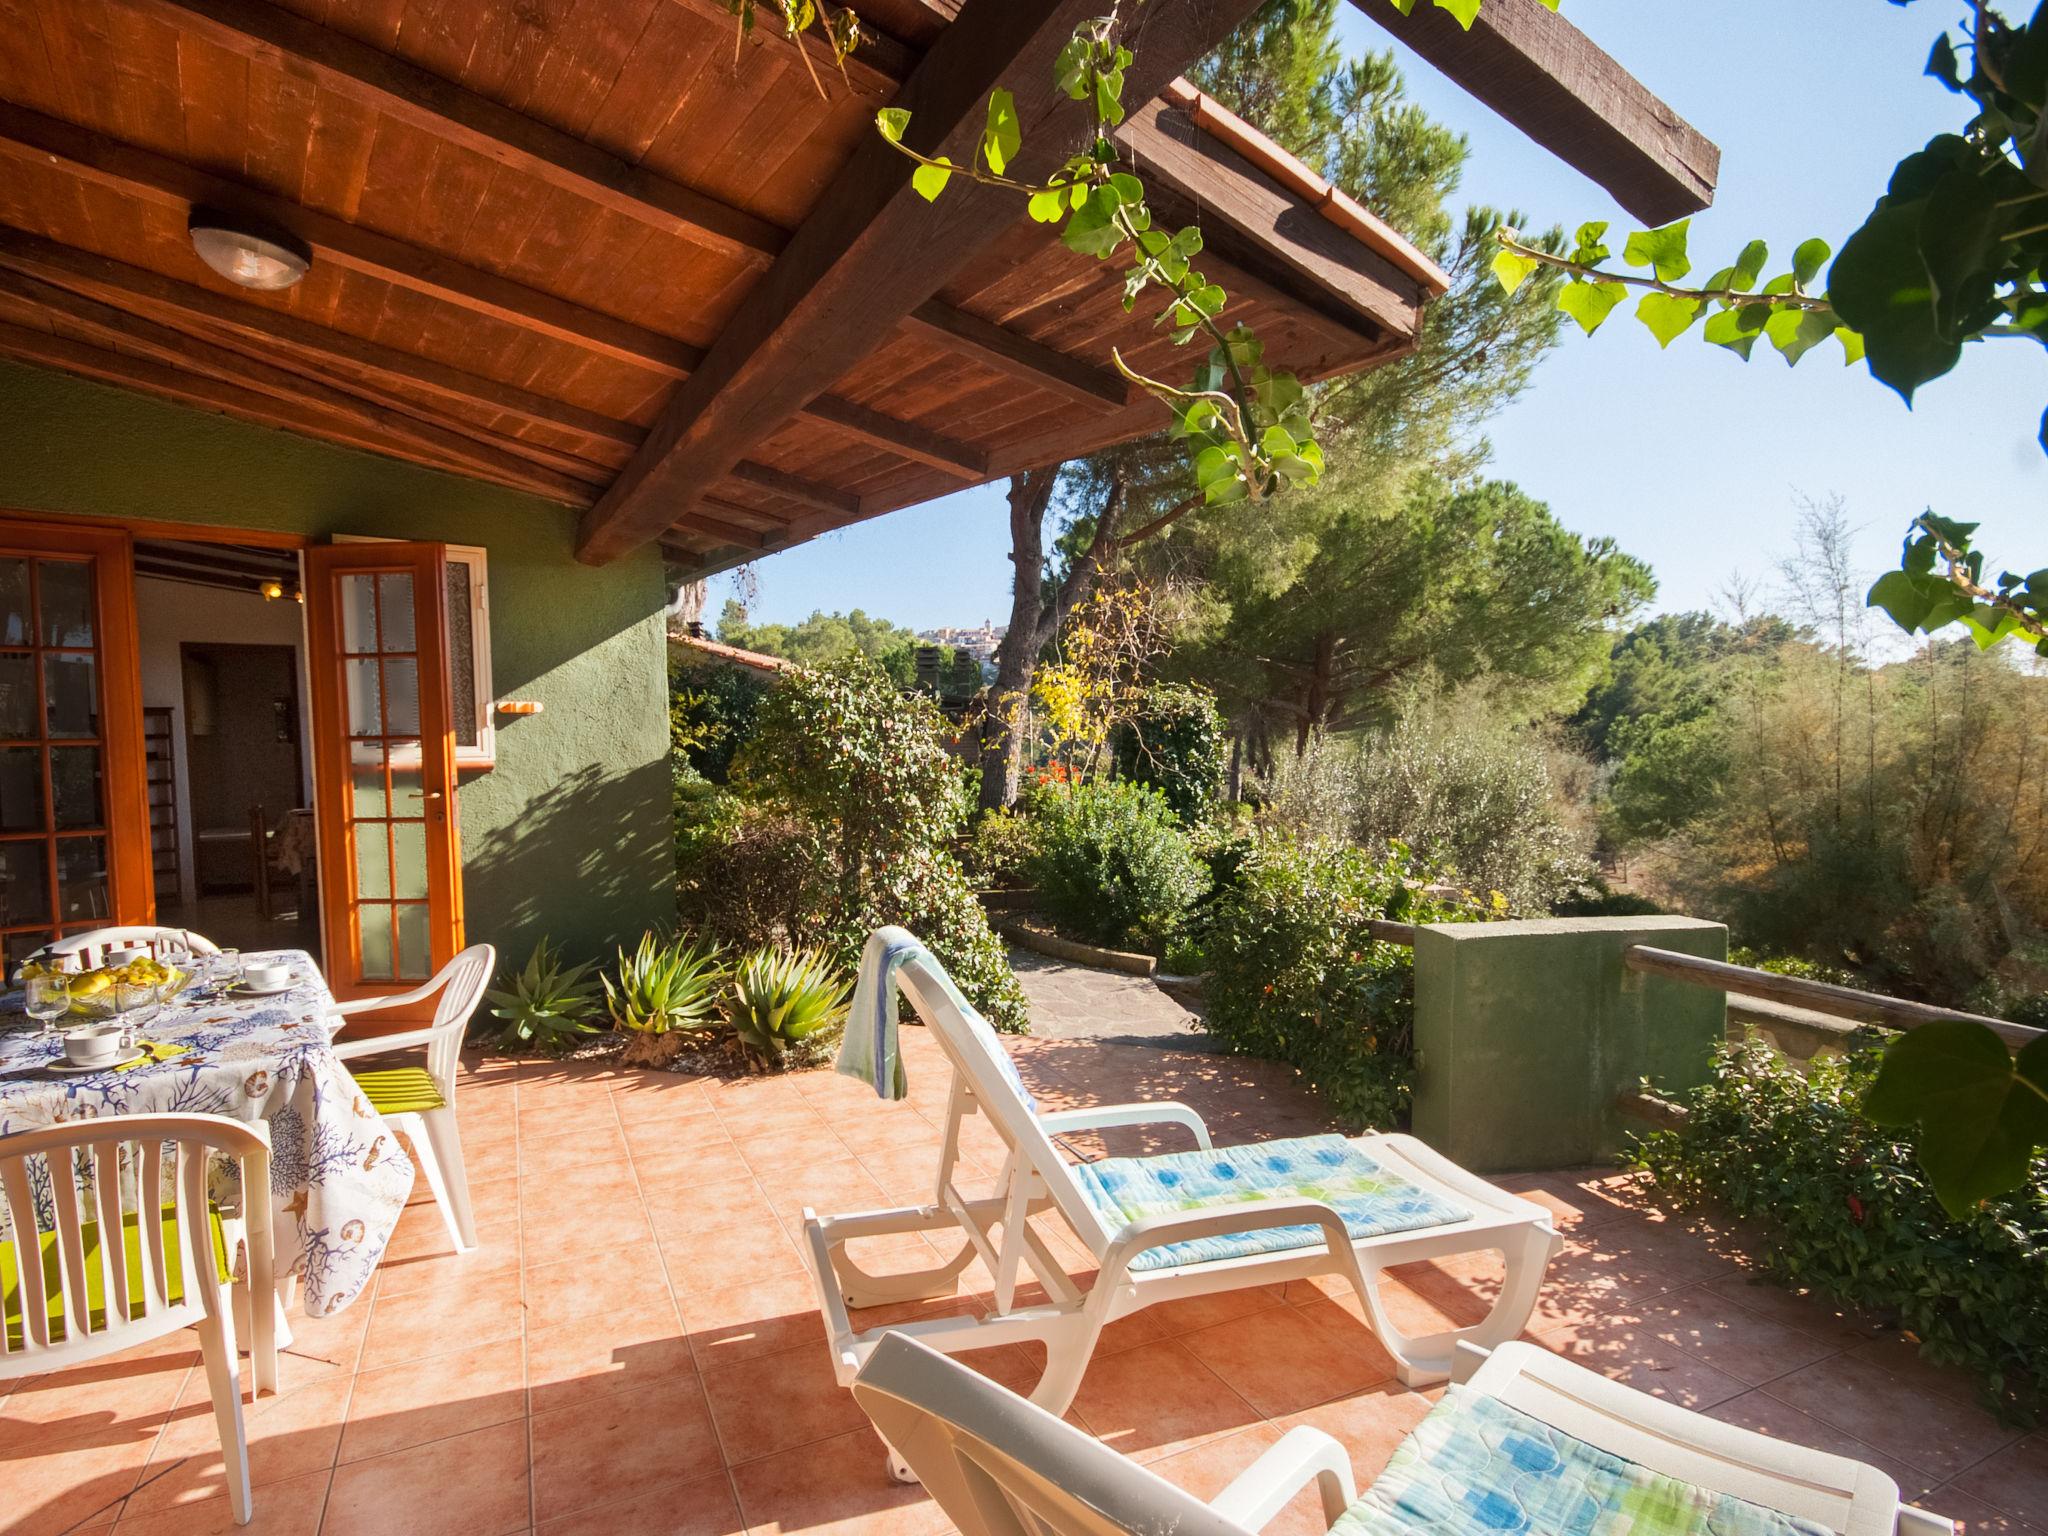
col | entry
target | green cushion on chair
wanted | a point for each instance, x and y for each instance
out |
(174, 1265)
(400, 1091)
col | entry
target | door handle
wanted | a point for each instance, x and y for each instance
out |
(432, 794)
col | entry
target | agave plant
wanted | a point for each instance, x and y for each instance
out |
(787, 1006)
(667, 987)
(547, 1005)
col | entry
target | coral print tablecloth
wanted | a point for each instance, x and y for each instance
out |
(339, 1177)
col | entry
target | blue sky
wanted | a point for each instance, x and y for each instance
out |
(1690, 458)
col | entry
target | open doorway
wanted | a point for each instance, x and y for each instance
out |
(221, 637)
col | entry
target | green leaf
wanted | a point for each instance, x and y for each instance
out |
(1660, 249)
(1129, 190)
(1048, 207)
(1004, 135)
(1899, 595)
(1513, 268)
(1941, 63)
(1466, 11)
(1796, 332)
(1736, 329)
(1590, 303)
(1749, 266)
(1852, 345)
(1980, 1111)
(930, 180)
(892, 121)
(1667, 315)
(1880, 287)
(1807, 261)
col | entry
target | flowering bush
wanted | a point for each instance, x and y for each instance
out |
(860, 774)
(1294, 973)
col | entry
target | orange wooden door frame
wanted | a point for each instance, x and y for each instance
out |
(327, 566)
(124, 806)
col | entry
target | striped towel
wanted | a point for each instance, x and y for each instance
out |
(1371, 1200)
(868, 1050)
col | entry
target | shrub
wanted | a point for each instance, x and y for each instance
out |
(863, 773)
(998, 847)
(787, 1007)
(751, 875)
(665, 990)
(1111, 864)
(1842, 1206)
(547, 1005)
(711, 709)
(1294, 974)
(1173, 741)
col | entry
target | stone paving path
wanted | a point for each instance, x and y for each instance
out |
(1078, 1002)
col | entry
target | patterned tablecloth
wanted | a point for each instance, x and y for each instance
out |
(339, 1178)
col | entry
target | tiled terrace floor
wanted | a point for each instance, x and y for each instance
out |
(634, 1347)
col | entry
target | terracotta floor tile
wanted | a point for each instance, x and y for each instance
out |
(322, 1345)
(290, 1436)
(1192, 1313)
(471, 1485)
(593, 1142)
(434, 1260)
(705, 1135)
(67, 1485)
(1371, 1424)
(1748, 1346)
(443, 1317)
(1157, 1399)
(775, 1154)
(1284, 1359)
(759, 1317)
(775, 1402)
(705, 1507)
(837, 1488)
(566, 1194)
(613, 1351)
(831, 1189)
(1900, 1355)
(1809, 1312)
(122, 1399)
(1633, 1354)
(1923, 1429)
(432, 1399)
(574, 1289)
(710, 1261)
(2014, 1480)
(1209, 1468)
(290, 1508)
(611, 1449)
(1973, 1517)
(706, 1205)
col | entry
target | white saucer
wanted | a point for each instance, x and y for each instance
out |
(250, 989)
(72, 1069)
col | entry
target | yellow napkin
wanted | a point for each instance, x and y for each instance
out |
(153, 1051)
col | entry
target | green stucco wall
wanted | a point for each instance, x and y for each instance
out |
(569, 834)
(1526, 1032)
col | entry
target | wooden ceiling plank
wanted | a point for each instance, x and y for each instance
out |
(812, 493)
(876, 67)
(119, 283)
(1021, 358)
(175, 349)
(1550, 80)
(907, 439)
(718, 527)
(137, 172)
(872, 250)
(402, 90)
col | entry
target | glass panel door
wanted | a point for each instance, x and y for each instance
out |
(383, 762)
(74, 848)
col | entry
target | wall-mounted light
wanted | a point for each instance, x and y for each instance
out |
(277, 592)
(517, 706)
(248, 251)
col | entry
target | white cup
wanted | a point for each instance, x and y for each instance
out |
(266, 975)
(95, 1045)
(116, 958)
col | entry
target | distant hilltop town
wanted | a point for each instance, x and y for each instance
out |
(979, 643)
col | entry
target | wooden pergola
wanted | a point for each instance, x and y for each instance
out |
(572, 247)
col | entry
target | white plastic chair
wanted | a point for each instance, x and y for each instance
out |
(1036, 1177)
(58, 1270)
(85, 951)
(1001, 1466)
(421, 1100)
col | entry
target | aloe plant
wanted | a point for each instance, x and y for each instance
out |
(547, 1005)
(787, 1006)
(666, 987)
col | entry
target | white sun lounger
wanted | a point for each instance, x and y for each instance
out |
(1001, 1466)
(1035, 1177)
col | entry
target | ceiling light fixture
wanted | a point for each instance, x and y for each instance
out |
(248, 251)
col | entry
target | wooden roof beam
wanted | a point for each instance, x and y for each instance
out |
(903, 438)
(811, 493)
(1550, 80)
(872, 250)
(1031, 362)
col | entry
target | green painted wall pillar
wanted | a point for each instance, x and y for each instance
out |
(1526, 1032)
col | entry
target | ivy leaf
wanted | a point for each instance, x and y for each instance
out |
(1667, 315)
(1590, 303)
(1749, 266)
(1899, 595)
(1660, 249)
(892, 121)
(1980, 1110)
(1989, 625)
(1466, 11)
(1807, 261)
(1941, 63)
(1588, 249)
(1047, 207)
(1004, 135)
(1880, 287)
(1513, 268)
(1852, 345)
(1736, 329)
(1796, 332)
(930, 180)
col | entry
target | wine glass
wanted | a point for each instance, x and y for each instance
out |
(47, 999)
(227, 968)
(136, 1002)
